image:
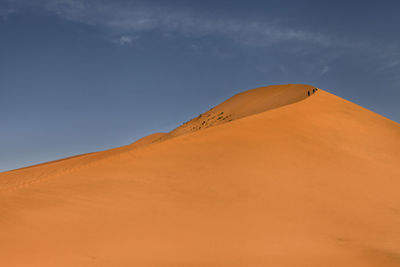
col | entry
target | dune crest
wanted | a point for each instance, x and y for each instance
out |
(246, 104)
(293, 181)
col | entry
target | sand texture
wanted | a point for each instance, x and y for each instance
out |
(270, 177)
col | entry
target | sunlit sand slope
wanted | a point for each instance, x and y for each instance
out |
(245, 104)
(314, 181)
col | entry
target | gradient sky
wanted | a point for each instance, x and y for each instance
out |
(80, 76)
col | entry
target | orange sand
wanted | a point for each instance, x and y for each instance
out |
(290, 181)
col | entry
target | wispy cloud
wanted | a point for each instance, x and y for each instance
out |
(125, 21)
(125, 39)
(137, 17)
(325, 69)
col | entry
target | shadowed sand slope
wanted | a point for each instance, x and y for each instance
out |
(313, 181)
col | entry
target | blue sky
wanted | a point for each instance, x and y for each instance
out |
(80, 76)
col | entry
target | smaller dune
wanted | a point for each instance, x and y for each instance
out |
(24, 176)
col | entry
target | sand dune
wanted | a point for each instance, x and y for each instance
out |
(245, 104)
(281, 179)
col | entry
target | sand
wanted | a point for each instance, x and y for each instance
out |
(284, 180)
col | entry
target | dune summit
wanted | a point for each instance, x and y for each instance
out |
(275, 176)
(245, 104)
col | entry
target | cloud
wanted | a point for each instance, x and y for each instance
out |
(125, 39)
(129, 18)
(125, 21)
(325, 69)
